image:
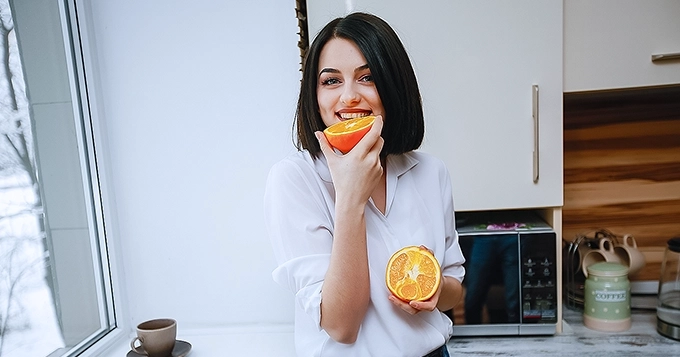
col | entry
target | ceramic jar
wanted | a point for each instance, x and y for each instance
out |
(607, 298)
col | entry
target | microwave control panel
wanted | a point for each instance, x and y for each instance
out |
(538, 289)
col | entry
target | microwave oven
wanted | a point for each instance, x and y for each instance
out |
(511, 279)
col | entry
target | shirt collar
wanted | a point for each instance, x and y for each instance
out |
(400, 164)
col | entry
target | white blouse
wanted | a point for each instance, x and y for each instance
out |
(300, 212)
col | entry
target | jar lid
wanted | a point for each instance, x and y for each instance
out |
(674, 244)
(607, 269)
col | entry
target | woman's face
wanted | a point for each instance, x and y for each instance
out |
(345, 87)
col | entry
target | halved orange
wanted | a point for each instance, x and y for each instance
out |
(413, 273)
(347, 133)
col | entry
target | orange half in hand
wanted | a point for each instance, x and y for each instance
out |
(347, 133)
(413, 273)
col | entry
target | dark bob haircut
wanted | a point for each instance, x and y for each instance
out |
(392, 73)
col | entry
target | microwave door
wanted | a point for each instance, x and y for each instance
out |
(492, 283)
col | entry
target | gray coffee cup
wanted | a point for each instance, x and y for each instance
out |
(156, 338)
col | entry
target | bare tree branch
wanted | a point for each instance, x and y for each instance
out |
(21, 151)
(13, 283)
(5, 31)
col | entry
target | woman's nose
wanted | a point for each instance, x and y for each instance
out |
(350, 96)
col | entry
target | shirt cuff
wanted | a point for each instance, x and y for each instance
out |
(309, 300)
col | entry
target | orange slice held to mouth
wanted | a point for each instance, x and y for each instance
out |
(347, 133)
(413, 273)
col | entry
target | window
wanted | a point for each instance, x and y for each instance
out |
(55, 286)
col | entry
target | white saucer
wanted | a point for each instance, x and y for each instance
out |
(181, 349)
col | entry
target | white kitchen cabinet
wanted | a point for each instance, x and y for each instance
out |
(476, 63)
(610, 43)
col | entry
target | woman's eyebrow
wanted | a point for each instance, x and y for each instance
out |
(328, 70)
(361, 68)
(333, 70)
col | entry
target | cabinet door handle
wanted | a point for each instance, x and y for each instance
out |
(534, 114)
(665, 57)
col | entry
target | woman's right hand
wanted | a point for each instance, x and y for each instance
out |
(355, 174)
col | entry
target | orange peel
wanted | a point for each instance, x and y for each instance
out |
(347, 133)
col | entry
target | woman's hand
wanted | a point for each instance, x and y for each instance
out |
(451, 289)
(413, 307)
(355, 174)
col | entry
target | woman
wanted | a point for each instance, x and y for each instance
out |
(335, 220)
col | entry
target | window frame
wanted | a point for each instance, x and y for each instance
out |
(90, 133)
(78, 84)
(83, 49)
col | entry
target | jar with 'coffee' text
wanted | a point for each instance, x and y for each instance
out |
(607, 298)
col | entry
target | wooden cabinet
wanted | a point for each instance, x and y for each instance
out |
(478, 64)
(622, 167)
(610, 43)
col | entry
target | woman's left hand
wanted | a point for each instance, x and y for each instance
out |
(413, 307)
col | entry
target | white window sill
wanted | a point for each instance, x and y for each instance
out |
(267, 340)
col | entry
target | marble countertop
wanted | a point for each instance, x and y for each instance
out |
(640, 340)
(575, 339)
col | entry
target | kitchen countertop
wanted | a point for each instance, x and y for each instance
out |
(640, 340)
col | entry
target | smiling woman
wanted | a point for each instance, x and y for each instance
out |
(55, 297)
(335, 219)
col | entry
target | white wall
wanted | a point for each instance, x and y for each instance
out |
(197, 98)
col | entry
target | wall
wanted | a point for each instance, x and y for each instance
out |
(196, 100)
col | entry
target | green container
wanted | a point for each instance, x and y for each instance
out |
(607, 298)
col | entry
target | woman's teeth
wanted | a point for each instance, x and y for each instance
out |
(353, 115)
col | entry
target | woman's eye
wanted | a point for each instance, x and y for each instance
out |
(330, 81)
(366, 78)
